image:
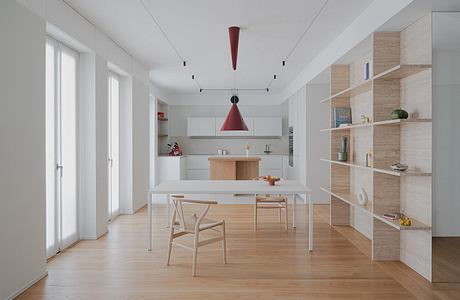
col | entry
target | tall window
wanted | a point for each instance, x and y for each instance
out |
(114, 141)
(61, 147)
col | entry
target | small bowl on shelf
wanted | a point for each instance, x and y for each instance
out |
(271, 179)
(399, 167)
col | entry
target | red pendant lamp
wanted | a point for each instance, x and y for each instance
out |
(234, 121)
(234, 34)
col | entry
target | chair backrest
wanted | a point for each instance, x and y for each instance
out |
(179, 212)
(261, 178)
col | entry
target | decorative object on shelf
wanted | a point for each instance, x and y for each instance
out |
(391, 216)
(365, 119)
(399, 114)
(161, 115)
(247, 147)
(366, 71)
(362, 197)
(234, 121)
(341, 115)
(343, 155)
(344, 125)
(271, 179)
(369, 158)
(405, 221)
(399, 167)
(174, 149)
(267, 149)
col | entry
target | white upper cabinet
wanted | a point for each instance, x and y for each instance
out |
(261, 127)
(268, 127)
(249, 122)
(201, 127)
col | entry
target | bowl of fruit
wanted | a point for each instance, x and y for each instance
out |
(271, 179)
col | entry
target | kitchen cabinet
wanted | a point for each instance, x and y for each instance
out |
(268, 127)
(201, 127)
(197, 167)
(249, 122)
(210, 127)
(171, 168)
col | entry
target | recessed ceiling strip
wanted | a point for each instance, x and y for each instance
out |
(164, 33)
(305, 32)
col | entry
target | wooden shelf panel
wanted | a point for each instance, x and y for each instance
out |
(401, 71)
(397, 72)
(416, 225)
(348, 197)
(352, 91)
(344, 163)
(384, 171)
(405, 173)
(348, 127)
(401, 122)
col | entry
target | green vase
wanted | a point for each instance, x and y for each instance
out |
(399, 114)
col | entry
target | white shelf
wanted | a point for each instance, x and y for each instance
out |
(344, 163)
(405, 173)
(381, 123)
(384, 171)
(416, 225)
(349, 198)
(401, 71)
(401, 122)
(397, 72)
(352, 91)
(348, 127)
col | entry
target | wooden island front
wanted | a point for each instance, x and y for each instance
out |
(234, 167)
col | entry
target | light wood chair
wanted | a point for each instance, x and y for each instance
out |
(194, 224)
(268, 201)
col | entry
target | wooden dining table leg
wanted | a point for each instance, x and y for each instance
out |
(168, 204)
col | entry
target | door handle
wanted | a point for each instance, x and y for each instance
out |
(110, 162)
(61, 169)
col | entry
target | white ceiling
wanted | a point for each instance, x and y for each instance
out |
(198, 29)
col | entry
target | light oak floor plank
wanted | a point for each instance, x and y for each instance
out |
(268, 264)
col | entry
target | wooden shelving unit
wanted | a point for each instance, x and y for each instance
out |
(401, 78)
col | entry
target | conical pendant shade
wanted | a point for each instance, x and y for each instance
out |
(234, 121)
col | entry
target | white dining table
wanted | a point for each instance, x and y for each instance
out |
(231, 187)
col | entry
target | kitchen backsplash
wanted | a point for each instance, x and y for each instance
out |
(234, 146)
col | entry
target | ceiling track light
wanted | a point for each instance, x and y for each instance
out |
(305, 32)
(184, 63)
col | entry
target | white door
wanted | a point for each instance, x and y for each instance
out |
(61, 147)
(114, 145)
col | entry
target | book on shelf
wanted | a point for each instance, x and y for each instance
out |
(341, 115)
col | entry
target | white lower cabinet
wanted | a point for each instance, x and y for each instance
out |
(197, 167)
(198, 174)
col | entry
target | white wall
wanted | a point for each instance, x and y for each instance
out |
(446, 121)
(141, 143)
(317, 143)
(22, 150)
(178, 115)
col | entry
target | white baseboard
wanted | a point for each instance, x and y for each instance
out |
(28, 285)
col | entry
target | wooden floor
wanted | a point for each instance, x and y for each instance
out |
(268, 264)
(446, 259)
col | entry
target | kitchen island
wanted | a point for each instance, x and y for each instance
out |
(234, 167)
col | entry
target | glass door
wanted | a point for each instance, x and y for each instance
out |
(114, 142)
(61, 147)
